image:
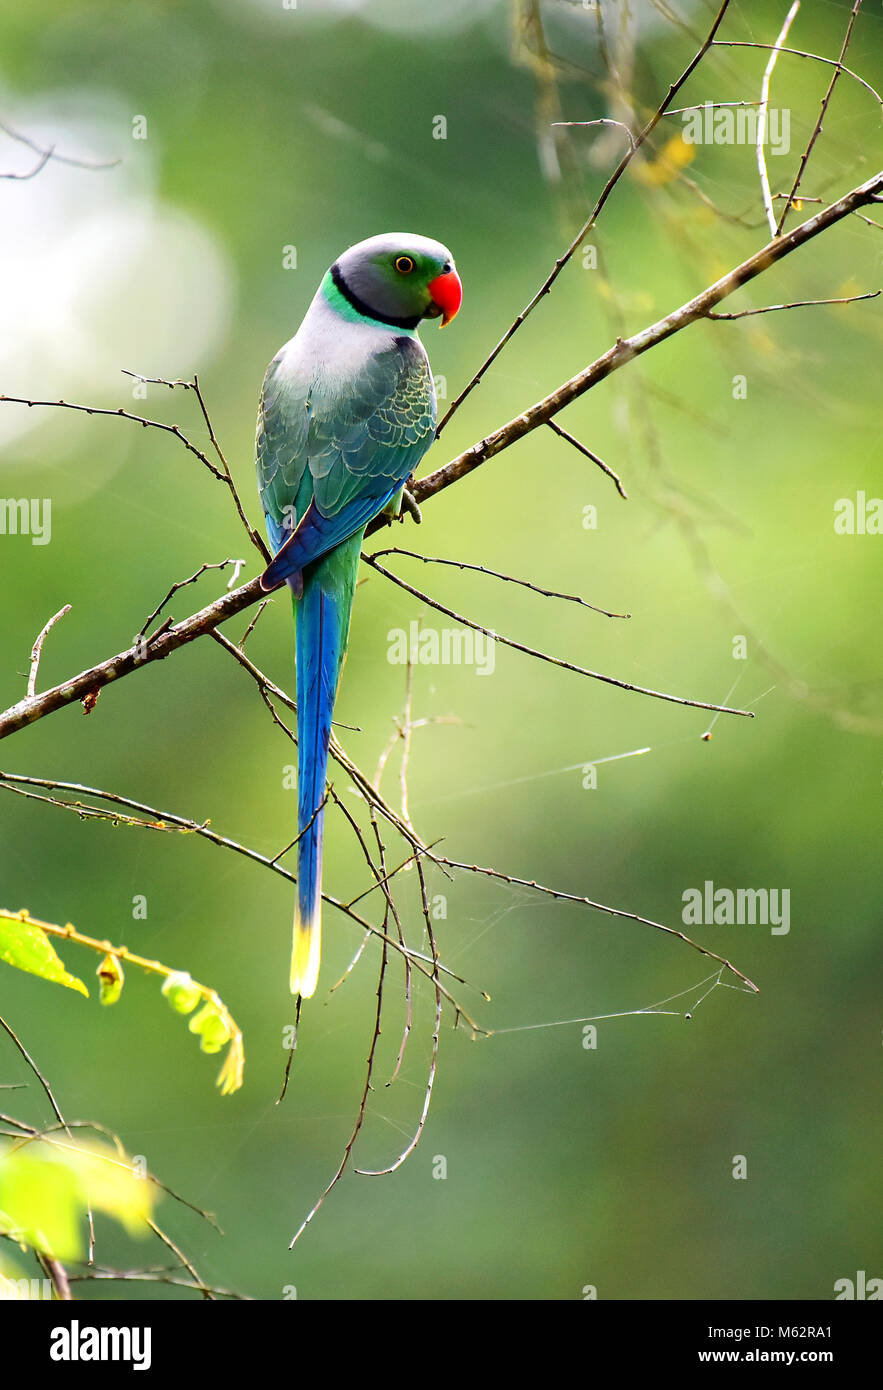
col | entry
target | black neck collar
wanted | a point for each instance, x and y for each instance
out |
(364, 309)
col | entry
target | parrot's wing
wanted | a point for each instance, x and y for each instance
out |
(281, 446)
(327, 465)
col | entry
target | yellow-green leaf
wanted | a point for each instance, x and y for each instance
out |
(110, 979)
(46, 1186)
(230, 1075)
(212, 1028)
(181, 991)
(26, 947)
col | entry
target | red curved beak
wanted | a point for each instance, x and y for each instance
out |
(447, 294)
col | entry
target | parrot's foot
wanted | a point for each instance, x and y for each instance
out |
(402, 502)
(409, 504)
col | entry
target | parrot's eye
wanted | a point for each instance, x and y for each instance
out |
(404, 265)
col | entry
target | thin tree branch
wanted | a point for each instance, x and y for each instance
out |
(36, 1070)
(544, 656)
(95, 678)
(761, 118)
(31, 173)
(182, 584)
(198, 1282)
(165, 820)
(225, 475)
(625, 349)
(150, 1276)
(494, 574)
(363, 1101)
(709, 105)
(52, 153)
(604, 120)
(433, 1063)
(58, 1276)
(801, 53)
(123, 415)
(582, 449)
(796, 304)
(37, 649)
(817, 128)
(636, 143)
(55, 1109)
(600, 907)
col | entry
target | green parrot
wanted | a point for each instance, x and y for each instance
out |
(347, 411)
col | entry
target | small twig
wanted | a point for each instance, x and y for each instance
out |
(182, 584)
(286, 1077)
(494, 574)
(257, 675)
(363, 1102)
(391, 910)
(603, 120)
(710, 106)
(388, 875)
(353, 963)
(57, 1274)
(37, 649)
(433, 1063)
(796, 304)
(318, 811)
(52, 153)
(36, 1070)
(62, 1122)
(95, 678)
(198, 1282)
(601, 907)
(40, 164)
(122, 415)
(267, 686)
(253, 624)
(817, 128)
(224, 474)
(801, 53)
(578, 445)
(545, 656)
(149, 1276)
(761, 118)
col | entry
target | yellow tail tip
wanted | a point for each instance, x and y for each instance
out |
(305, 953)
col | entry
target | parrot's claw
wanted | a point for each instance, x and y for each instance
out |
(409, 504)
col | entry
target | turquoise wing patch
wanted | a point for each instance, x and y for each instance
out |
(348, 454)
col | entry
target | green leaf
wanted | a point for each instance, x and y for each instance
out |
(181, 991)
(26, 947)
(110, 979)
(212, 1028)
(46, 1186)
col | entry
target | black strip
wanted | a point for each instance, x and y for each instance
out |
(364, 309)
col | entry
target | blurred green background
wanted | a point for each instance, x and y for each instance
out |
(268, 129)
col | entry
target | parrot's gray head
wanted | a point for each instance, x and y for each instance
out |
(399, 279)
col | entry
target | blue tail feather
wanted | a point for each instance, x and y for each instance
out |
(322, 616)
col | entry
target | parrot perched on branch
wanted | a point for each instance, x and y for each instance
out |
(347, 411)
